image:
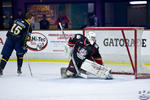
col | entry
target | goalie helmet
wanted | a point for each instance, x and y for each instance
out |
(91, 36)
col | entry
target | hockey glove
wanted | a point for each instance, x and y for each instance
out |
(25, 49)
(29, 37)
(68, 51)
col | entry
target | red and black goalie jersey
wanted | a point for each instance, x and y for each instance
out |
(84, 50)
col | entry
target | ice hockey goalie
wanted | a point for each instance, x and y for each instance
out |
(86, 58)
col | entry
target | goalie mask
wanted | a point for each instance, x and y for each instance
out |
(91, 37)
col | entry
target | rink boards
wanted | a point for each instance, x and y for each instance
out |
(49, 46)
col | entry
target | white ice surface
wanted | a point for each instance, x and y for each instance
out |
(46, 84)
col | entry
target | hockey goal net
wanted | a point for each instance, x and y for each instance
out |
(120, 48)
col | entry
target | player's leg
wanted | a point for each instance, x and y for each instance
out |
(19, 63)
(97, 69)
(3, 63)
(97, 59)
(19, 53)
(68, 72)
(6, 53)
(1, 72)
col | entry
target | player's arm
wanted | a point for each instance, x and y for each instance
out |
(29, 34)
(26, 37)
(75, 39)
(71, 41)
(96, 55)
(69, 46)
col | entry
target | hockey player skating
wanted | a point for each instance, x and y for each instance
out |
(16, 40)
(86, 57)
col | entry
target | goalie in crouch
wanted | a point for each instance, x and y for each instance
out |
(86, 56)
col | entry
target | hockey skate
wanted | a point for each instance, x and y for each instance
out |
(63, 72)
(67, 74)
(109, 77)
(1, 72)
(19, 71)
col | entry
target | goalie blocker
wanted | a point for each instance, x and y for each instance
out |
(89, 67)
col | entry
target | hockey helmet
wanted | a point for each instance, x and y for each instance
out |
(91, 36)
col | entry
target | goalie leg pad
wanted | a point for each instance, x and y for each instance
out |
(96, 69)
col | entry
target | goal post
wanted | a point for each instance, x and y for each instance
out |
(120, 48)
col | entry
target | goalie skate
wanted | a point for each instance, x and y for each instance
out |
(63, 72)
(1, 72)
(68, 74)
(19, 71)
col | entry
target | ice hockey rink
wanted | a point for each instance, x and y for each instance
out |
(47, 84)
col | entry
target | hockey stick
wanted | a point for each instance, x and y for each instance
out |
(76, 68)
(29, 65)
(62, 32)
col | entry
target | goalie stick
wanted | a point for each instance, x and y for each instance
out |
(76, 68)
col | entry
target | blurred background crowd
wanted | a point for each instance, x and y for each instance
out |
(76, 14)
